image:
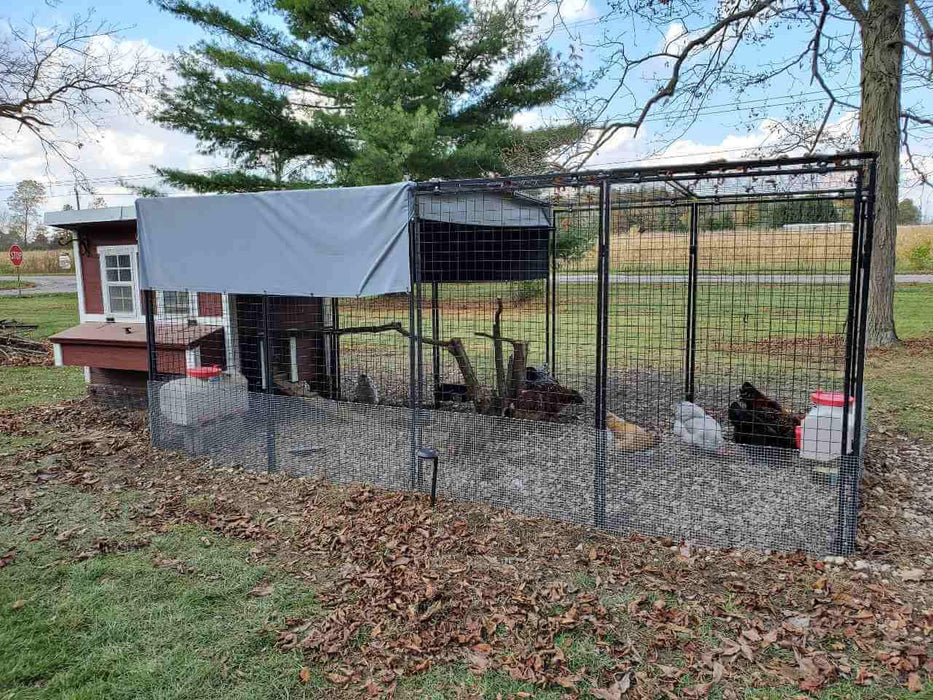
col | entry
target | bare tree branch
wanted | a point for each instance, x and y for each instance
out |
(55, 82)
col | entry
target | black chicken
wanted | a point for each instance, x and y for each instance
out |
(760, 420)
(543, 402)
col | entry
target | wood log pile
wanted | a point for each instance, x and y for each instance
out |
(15, 349)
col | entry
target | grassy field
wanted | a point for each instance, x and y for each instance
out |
(646, 317)
(750, 250)
(38, 262)
(174, 618)
(51, 312)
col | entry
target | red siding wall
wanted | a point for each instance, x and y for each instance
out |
(210, 304)
(123, 233)
(127, 358)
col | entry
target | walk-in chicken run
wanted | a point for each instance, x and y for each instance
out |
(670, 351)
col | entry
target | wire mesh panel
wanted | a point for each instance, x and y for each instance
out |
(673, 352)
(508, 361)
(732, 311)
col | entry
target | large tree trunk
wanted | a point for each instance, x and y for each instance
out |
(882, 31)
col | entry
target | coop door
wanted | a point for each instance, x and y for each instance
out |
(648, 307)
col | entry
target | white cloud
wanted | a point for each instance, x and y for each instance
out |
(120, 145)
(528, 119)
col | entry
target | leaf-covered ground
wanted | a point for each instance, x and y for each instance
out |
(130, 573)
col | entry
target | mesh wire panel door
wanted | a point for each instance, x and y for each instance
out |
(508, 352)
(652, 484)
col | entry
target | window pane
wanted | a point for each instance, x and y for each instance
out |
(126, 276)
(111, 261)
(121, 299)
(112, 275)
(124, 261)
(175, 302)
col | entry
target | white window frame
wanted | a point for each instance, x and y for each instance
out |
(192, 304)
(193, 309)
(133, 251)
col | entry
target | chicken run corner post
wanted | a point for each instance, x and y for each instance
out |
(672, 351)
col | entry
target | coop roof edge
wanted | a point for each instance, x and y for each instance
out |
(75, 218)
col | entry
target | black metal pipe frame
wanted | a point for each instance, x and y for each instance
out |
(553, 307)
(547, 298)
(816, 164)
(851, 316)
(413, 393)
(152, 358)
(850, 465)
(435, 335)
(270, 386)
(602, 323)
(335, 347)
(667, 203)
(692, 283)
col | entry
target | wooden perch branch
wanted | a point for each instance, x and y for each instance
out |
(511, 341)
(394, 326)
(454, 346)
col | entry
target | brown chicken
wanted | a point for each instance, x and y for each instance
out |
(628, 437)
(760, 420)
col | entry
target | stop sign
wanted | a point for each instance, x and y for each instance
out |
(16, 255)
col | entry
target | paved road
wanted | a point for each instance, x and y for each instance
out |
(719, 279)
(45, 284)
(50, 284)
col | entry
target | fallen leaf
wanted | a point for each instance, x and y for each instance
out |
(614, 691)
(912, 574)
(718, 671)
(914, 685)
(17, 604)
(262, 590)
(304, 675)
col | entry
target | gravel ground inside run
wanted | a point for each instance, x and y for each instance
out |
(748, 497)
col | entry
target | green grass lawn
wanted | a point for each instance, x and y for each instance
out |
(13, 284)
(51, 312)
(173, 619)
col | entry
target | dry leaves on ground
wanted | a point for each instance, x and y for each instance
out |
(405, 588)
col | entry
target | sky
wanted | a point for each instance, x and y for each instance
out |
(128, 146)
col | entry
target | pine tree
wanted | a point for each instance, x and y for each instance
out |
(307, 93)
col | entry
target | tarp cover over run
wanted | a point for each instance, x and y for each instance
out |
(341, 242)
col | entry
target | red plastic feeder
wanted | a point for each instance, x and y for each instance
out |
(830, 398)
(208, 372)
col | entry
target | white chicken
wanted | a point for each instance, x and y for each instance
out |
(695, 427)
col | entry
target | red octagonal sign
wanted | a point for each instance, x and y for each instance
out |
(16, 255)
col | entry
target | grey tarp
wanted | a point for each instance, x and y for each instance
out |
(340, 242)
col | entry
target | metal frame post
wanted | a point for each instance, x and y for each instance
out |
(414, 389)
(552, 309)
(692, 280)
(850, 464)
(602, 322)
(271, 465)
(153, 362)
(334, 341)
(851, 330)
(435, 334)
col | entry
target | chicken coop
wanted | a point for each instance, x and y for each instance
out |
(674, 351)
